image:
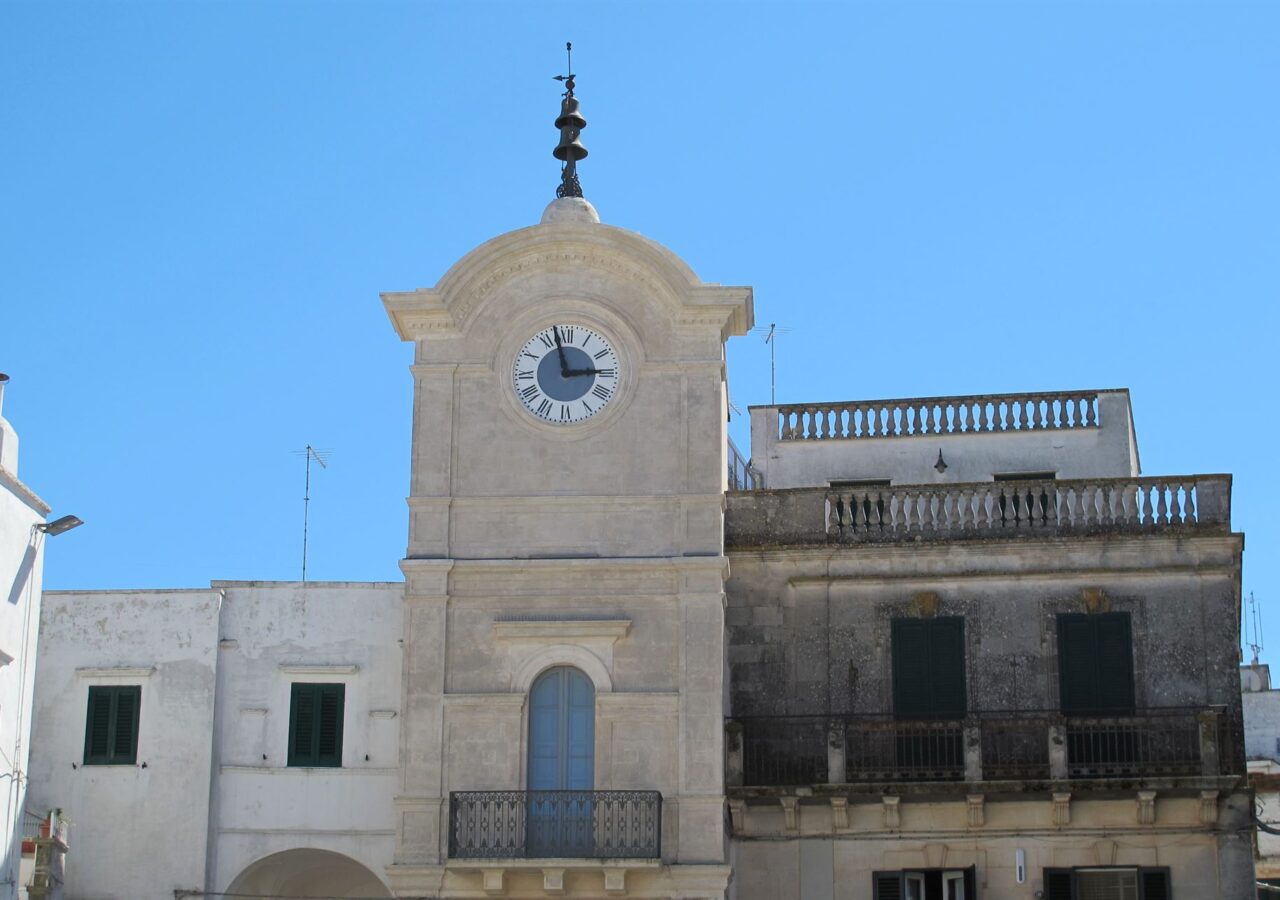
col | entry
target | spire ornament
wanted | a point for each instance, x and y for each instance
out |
(570, 122)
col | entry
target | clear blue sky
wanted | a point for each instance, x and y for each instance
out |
(201, 202)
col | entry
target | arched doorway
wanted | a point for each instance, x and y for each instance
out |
(307, 872)
(562, 727)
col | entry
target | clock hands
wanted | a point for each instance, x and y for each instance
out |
(564, 363)
(570, 373)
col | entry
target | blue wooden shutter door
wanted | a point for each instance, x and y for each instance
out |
(562, 732)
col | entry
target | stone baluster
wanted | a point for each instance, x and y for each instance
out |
(1092, 401)
(860, 513)
(912, 427)
(1190, 502)
(989, 411)
(1162, 504)
(893, 510)
(1037, 507)
(948, 509)
(1017, 415)
(1175, 503)
(1148, 512)
(873, 511)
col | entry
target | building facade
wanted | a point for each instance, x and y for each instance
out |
(933, 649)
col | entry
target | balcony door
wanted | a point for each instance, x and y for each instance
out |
(562, 714)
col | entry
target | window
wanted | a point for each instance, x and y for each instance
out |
(928, 668)
(925, 884)
(111, 730)
(315, 724)
(561, 811)
(1095, 663)
(1107, 884)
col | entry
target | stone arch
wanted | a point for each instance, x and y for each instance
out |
(562, 655)
(308, 872)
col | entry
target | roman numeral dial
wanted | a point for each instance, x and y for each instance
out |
(566, 373)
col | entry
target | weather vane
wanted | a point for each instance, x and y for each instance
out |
(570, 122)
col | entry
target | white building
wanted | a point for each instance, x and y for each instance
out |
(23, 532)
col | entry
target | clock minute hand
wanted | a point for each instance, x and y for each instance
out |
(572, 372)
(564, 363)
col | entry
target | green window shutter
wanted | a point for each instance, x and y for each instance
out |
(1115, 662)
(315, 724)
(97, 729)
(886, 886)
(124, 743)
(946, 656)
(329, 725)
(1077, 674)
(1155, 884)
(928, 667)
(1057, 883)
(111, 726)
(911, 694)
(1095, 663)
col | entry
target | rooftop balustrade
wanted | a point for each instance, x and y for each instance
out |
(1005, 745)
(921, 416)
(1003, 509)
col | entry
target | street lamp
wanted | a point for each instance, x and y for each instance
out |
(59, 526)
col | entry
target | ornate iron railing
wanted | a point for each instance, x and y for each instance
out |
(784, 750)
(555, 824)
(904, 751)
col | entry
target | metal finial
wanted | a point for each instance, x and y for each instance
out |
(570, 122)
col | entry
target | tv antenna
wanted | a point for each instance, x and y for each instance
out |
(1255, 616)
(321, 457)
(772, 340)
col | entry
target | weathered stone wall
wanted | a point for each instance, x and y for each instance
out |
(808, 628)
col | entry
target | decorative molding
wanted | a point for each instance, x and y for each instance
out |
(924, 604)
(115, 671)
(615, 882)
(562, 655)
(891, 812)
(319, 668)
(839, 813)
(553, 882)
(738, 816)
(1061, 810)
(488, 702)
(561, 629)
(382, 714)
(1146, 807)
(1104, 853)
(976, 810)
(492, 882)
(1095, 600)
(790, 810)
(24, 493)
(1209, 807)
(632, 703)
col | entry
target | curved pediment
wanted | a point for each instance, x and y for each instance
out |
(556, 253)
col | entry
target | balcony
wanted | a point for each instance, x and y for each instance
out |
(555, 825)
(783, 751)
(980, 510)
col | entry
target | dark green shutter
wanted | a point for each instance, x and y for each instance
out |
(329, 726)
(1115, 662)
(315, 724)
(98, 728)
(1095, 663)
(946, 652)
(111, 725)
(1155, 884)
(928, 667)
(887, 886)
(971, 883)
(1057, 884)
(910, 668)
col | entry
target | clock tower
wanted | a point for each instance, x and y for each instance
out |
(562, 701)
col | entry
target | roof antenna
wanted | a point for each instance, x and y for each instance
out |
(322, 457)
(1256, 644)
(570, 122)
(772, 340)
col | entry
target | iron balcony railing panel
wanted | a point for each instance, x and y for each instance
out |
(555, 824)
(904, 750)
(1015, 747)
(1165, 743)
(784, 750)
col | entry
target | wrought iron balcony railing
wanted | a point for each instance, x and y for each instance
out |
(555, 824)
(982, 746)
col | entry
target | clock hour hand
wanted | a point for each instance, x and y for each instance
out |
(564, 363)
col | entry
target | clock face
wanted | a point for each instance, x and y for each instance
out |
(566, 374)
